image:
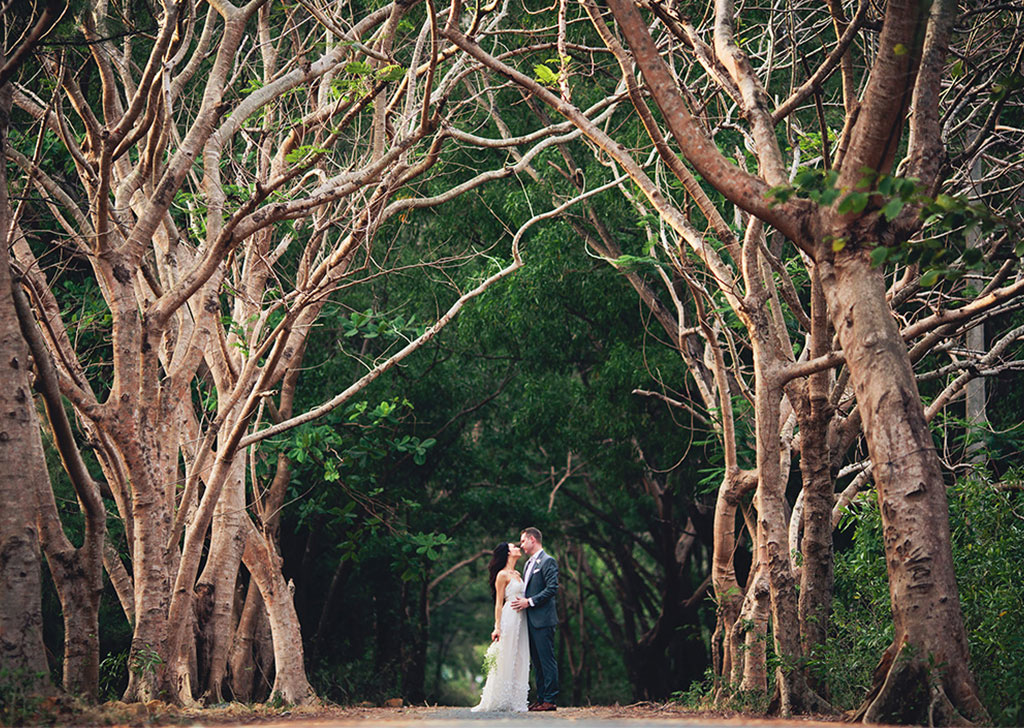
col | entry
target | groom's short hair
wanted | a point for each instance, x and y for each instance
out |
(534, 533)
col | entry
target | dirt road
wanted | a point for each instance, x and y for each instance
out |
(652, 715)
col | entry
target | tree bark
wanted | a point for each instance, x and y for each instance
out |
(249, 657)
(215, 590)
(77, 572)
(78, 579)
(770, 359)
(813, 415)
(929, 651)
(24, 473)
(264, 564)
(149, 658)
(750, 636)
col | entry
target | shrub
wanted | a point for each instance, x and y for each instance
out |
(987, 525)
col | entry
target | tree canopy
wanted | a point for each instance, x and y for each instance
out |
(323, 302)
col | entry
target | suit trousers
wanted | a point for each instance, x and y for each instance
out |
(542, 656)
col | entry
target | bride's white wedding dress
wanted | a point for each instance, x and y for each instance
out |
(508, 674)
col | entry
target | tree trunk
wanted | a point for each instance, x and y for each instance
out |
(773, 544)
(24, 473)
(78, 579)
(770, 501)
(723, 572)
(77, 573)
(264, 564)
(148, 660)
(813, 415)
(244, 664)
(750, 636)
(215, 590)
(816, 570)
(928, 656)
(975, 404)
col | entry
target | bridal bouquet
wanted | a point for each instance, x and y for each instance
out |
(491, 658)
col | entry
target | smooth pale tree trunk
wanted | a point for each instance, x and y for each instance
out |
(750, 638)
(773, 543)
(813, 415)
(252, 650)
(119, 579)
(24, 473)
(975, 404)
(773, 557)
(264, 564)
(78, 579)
(975, 399)
(215, 590)
(726, 645)
(148, 660)
(77, 572)
(923, 676)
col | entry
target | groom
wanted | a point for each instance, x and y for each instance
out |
(541, 579)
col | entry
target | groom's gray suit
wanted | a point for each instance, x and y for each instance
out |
(541, 619)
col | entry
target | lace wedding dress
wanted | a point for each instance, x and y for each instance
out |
(508, 661)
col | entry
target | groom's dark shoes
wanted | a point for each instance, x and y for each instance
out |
(544, 707)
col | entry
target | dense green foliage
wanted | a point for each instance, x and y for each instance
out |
(464, 458)
(987, 519)
(523, 412)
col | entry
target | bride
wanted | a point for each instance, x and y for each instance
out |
(508, 658)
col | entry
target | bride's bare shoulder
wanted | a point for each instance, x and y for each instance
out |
(508, 574)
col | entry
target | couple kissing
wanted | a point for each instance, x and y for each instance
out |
(524, 628)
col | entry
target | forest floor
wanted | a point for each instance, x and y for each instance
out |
(156, 713)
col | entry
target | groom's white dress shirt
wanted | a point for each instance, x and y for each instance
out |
(529, 570)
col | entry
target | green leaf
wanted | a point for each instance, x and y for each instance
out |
(838, 244)
(780, 193)
(972, 256)
(879, 255)
(805, 179)
(854, 203)
(930, 277)
(391, 72)
(829, 196)
(907, 187)
(892, 208)
(358, 68)
(545, 75)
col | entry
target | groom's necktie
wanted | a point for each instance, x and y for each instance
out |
(529, 568)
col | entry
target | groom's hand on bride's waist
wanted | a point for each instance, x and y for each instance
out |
(520, 603)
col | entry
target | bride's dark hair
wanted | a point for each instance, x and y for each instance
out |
(499, 558)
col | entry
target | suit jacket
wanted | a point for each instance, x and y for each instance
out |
(541, 588)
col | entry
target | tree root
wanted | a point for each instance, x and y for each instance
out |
(800, 699)
(906, 690)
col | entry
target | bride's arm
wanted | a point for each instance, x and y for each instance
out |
(499, 602)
